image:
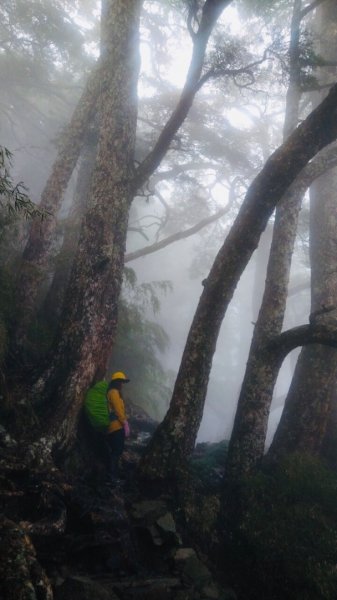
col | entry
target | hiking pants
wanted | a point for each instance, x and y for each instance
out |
(115, 442)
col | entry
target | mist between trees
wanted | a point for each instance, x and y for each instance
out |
(157, 141)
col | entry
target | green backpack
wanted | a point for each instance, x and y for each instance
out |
(96, 406)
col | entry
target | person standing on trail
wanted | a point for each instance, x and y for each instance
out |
(118, 429)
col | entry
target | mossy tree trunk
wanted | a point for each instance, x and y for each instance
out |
(89, 316)
(174, 440)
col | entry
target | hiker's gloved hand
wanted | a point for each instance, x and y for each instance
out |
(126, 428)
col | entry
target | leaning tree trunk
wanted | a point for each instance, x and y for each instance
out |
(309, 400)
(88, 321)
(51, 308)
(174, 439)
(251, 419)
(36, 256)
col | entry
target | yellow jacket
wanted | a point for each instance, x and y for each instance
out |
(116, 404)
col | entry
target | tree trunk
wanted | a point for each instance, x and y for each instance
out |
(309, 400)
(37, 252)
(174, 440)
(89, 318)
(88, 321)
(329, 445)
(36, 256)
(52, 305)
(308, 404)
(251, 420)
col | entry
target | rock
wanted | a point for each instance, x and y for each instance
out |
(148, 510)
(123, 544)
(83, 588)
(21, 574)
(184, 554)
(191, 568)
(155, 535)
(211, 592)
(167, 523)
(165, 588)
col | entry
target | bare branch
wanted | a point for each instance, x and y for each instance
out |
(180, 235)
(246, 70)
(307, 9)
(316, 333)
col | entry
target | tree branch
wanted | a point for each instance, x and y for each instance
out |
(211, 12)
(178, 169)
(180, 235)
(313, 333)
(246, 70)
(307, 9)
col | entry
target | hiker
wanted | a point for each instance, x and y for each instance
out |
(118, 429)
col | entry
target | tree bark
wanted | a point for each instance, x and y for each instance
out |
(174, 439)
(309, 400)
(52, 305)
(251, 419)
(89, 317)
(36, 256)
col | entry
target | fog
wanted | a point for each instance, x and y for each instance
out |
(229, 129)
(176, 314)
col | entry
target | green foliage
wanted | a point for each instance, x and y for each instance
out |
(13, 197)
(138, 342)
(144, 295)
(14, 202)
(285, 542)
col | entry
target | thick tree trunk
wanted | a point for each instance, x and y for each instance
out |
(309, 400)
(308, 404)
(36, 255)
(89, 317)
(52, 305)
(175, 438)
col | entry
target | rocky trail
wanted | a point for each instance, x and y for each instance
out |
(67, 538)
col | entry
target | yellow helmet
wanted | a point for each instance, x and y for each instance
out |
(119, 375)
